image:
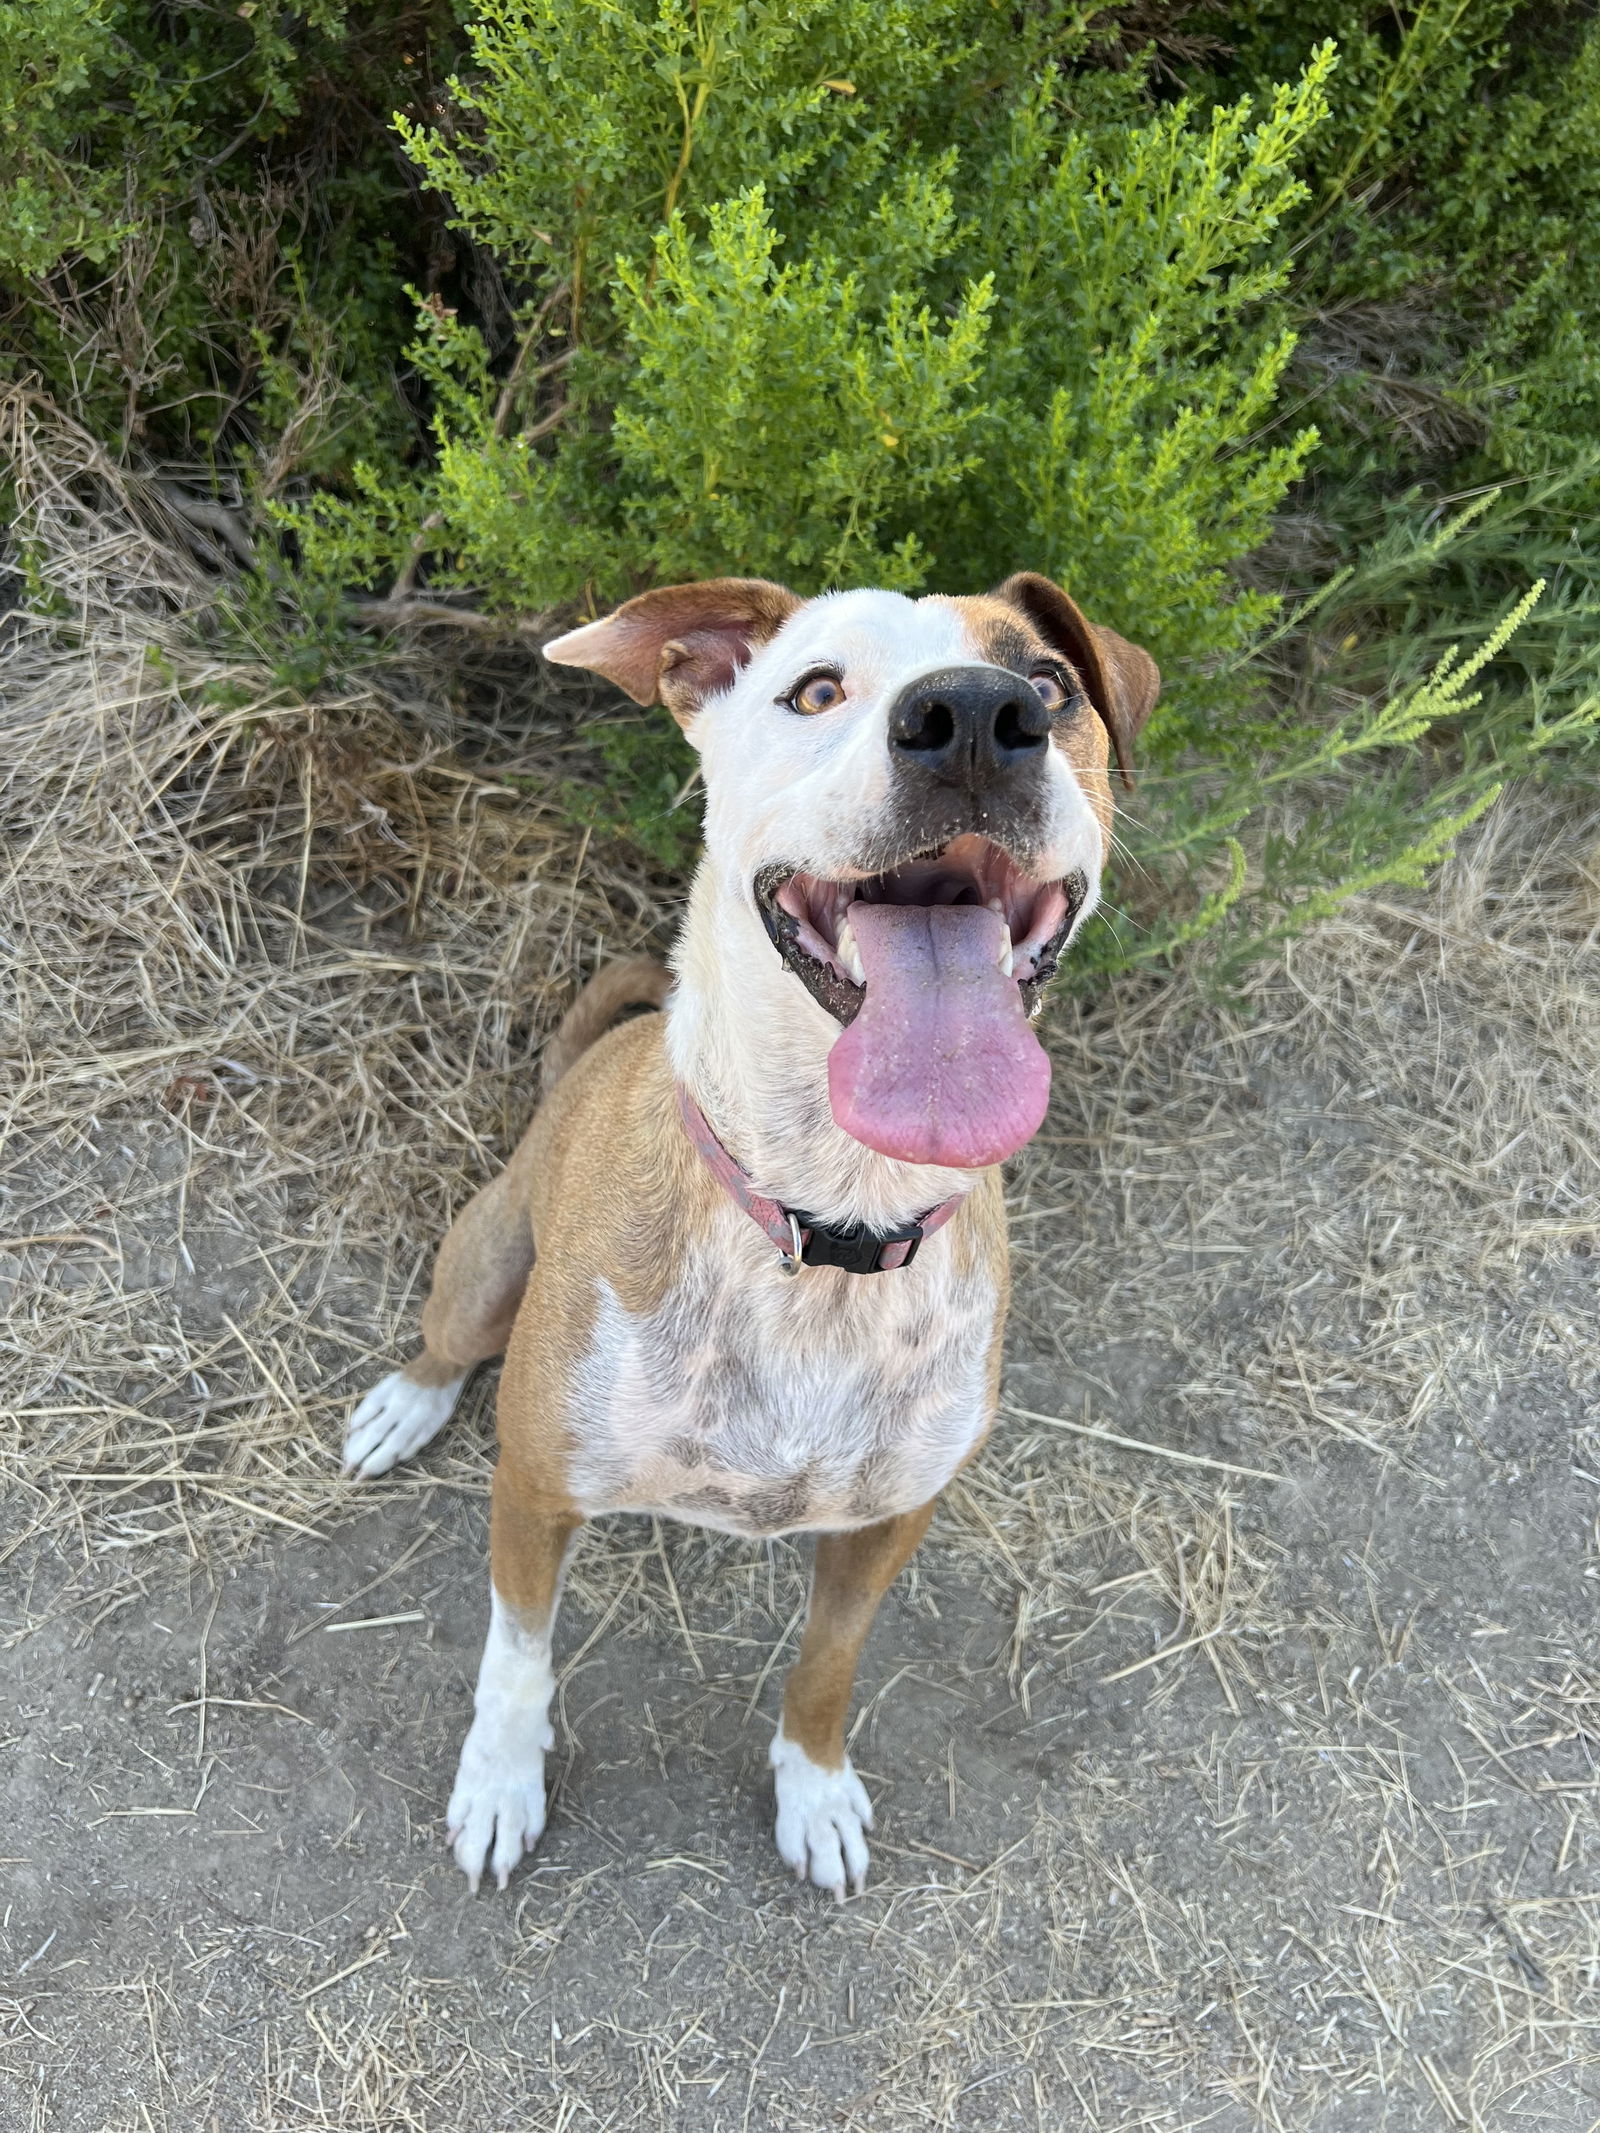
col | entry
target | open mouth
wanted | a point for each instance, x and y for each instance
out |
(808, 917)
(934, 968)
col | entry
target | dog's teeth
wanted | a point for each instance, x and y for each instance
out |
(849, 954)
(997, 906)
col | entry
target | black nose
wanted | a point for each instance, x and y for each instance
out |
(966, 725)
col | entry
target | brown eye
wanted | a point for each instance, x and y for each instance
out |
(1052, 689)
(818, 692)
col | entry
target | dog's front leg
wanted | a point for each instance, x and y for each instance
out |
(823, 1809)
(497, 1808)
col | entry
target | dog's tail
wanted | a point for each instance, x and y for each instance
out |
(637, 981)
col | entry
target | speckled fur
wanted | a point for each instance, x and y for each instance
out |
(662, 1361)
(758, 1403)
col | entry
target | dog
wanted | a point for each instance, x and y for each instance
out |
(748, 1266)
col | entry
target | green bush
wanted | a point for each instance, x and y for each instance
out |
(204, 228)
(781, 330)
(1218, 316)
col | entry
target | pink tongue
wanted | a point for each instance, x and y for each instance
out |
(940, 1065)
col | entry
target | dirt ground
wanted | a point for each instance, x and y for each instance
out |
(1207, 1796)
(1245, 1774)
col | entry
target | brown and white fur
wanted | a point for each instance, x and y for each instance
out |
(657, 1357)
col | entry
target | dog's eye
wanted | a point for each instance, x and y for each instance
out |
(1053, 691)
(818, 692)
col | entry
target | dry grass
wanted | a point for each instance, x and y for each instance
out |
(1253, 1813)
(212, 887)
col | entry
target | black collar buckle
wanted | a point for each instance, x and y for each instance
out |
(856, 1250)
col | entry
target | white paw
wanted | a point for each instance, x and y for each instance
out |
(397, 1418)
(496, 1811)
(822, 1819)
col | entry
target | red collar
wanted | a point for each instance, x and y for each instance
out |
(800, 1237)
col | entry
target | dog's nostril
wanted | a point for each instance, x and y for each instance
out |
(931, 727)
(968, 724)
(1018, 725)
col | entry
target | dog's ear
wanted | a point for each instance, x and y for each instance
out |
(1122, 679)
(681, 643)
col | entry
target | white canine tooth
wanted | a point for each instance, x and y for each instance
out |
(849, 954)
(1005, 956)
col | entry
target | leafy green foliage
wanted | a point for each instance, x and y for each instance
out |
(48, 55)
(1458, 182)
(776, 415)
(581, 130)
(909, 292)
(1342, 840)
(203, 229)
(778, 331)
(1135, 357)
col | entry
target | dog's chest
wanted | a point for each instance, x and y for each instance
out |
(759, 1403)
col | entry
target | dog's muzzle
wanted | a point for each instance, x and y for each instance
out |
(974, 728)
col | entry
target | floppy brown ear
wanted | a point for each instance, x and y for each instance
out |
(681, 643)
(1122, 679)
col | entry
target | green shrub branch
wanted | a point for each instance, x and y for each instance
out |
(1279, 346)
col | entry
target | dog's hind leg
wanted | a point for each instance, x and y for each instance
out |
(481, 1272)
(485, 1261)
(497, 1807)
(823, 1809)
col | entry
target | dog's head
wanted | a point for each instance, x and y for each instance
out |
(914, 796)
